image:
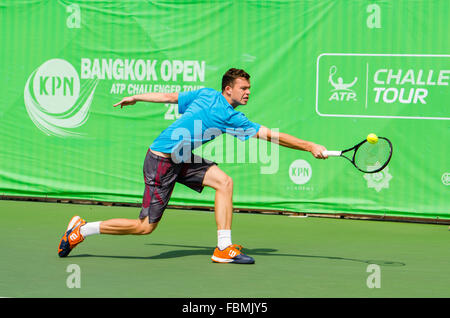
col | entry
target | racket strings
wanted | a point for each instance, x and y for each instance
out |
(371, 157)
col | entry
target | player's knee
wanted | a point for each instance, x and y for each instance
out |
(146, 228)
(226, 184)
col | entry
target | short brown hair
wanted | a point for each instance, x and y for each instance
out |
(233, 73)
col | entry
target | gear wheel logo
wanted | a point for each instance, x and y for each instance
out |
(379, 180)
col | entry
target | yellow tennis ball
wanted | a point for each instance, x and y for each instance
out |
(372, 138)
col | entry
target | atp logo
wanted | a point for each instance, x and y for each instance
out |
(379, 180)
(342, 91)
(56, 101)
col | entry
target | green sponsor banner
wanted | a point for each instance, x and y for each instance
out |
(326, 71)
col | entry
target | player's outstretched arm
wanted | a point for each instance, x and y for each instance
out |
(289, 141)
(170, 98)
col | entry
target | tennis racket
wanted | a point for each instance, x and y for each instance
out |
(365, 156)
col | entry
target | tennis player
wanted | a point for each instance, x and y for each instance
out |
(169, 160)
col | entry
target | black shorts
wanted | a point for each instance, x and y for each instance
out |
(161, 174)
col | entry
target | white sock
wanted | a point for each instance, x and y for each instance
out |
(223, 239)
(90, 228)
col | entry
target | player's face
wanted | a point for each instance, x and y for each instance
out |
(240, 91)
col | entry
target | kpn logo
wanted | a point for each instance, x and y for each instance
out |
(300, 171)
(55, 99)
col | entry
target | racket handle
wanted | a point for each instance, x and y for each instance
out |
(332, 153)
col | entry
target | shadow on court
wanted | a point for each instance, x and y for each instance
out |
(189, 250)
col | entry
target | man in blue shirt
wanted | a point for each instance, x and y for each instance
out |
(206, 113)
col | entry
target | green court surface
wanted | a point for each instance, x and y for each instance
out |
(295, 257)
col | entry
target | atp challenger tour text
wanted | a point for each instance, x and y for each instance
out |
(232, 307)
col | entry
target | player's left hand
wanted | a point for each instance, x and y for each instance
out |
(126, 101)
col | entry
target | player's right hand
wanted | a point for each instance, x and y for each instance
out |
(126, 101)
(317, 151)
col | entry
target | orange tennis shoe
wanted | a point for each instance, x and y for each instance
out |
(72, 237)
(232, 254)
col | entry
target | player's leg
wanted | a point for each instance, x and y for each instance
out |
(160, 176)
(226, 252)
(78, 230)
(127, 226)
(200, 173)
(223, 202)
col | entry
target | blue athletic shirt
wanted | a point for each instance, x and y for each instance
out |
(206, 114)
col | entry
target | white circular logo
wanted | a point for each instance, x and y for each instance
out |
(300, 171)
(56, 86)
(446, 178)
(55, 100)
